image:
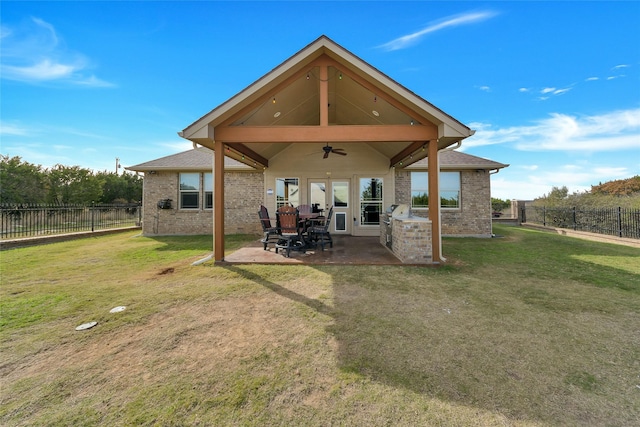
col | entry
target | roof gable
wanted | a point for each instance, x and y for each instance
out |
(247, 102)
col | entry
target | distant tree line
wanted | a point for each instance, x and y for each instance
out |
(22, 182)
(624, 193)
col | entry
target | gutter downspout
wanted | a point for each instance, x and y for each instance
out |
(449, 148)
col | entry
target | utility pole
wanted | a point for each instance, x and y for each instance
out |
(118, 165)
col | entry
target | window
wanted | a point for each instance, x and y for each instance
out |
(208, 190)
(340, 194)
(370, 201)
(189, 190)
(287, 192)
(449, 190)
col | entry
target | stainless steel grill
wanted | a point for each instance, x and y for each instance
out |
(393, 211)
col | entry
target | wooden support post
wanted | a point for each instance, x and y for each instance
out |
(218, 201)
(324, 95)
(434, 200)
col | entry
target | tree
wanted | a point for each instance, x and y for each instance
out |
(21, 182)
(73, 184)
(498, 205)
(125, 188)
(557, 197)
(619, 187)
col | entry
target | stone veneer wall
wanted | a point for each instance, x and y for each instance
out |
(243, 197)
(412, 242)
(474, 216)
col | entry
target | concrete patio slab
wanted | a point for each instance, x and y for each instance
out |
(347, 250)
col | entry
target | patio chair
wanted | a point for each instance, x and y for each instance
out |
(319, 231)
(305, 210)
(271, 234)
(289, 229)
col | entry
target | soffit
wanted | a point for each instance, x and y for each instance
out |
(358, 94)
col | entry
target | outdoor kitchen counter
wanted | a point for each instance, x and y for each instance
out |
(408, 238)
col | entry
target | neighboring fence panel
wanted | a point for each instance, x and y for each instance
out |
(619, 222)
(18, 221)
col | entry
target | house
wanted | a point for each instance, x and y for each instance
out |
(324, 127)
(185, 179)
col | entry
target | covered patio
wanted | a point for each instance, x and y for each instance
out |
(347, 250)
(324, 97)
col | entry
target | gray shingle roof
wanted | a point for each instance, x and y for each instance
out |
(456, 160)
(198, 159)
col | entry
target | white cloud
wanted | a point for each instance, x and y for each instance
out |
(177, 146)
(618, 130)
(529, 167)
(523, 89)
(485, 88)
(591, 79)
(553, 91)
(34, 53)
(44, 70)
(10, 129)
(561, 91)
(451, 21)
(511, 183)
(617, 67)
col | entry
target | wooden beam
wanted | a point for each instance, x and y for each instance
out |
(407, 152)
(351, 133)
(249, 153)
(434, 200)
(218, 202)
(324, 95)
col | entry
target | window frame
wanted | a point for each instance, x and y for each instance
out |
(207, 194)
(442, 190)
(286, 196)
(340, 185)
(182, 192)
(378, 201)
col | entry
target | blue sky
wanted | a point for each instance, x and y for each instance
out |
(551, 88)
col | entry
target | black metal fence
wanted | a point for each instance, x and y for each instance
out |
(621, 222)
(18, 221)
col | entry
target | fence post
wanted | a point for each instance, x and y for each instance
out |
(619, 222)
(544, 216)
(92, 216)
(575, 226)
(140, 213)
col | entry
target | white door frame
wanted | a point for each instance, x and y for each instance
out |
(339, 212)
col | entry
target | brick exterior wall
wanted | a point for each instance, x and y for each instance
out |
(474, 216)
(412, 241)
(244, 194)
(243, 197)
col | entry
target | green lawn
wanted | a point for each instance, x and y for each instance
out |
(530, 328)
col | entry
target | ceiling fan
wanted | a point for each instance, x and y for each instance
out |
(327, 149)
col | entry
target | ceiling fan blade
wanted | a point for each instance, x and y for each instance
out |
(342, 153)
(326, 154)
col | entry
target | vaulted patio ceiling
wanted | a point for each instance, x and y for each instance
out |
(324, 94)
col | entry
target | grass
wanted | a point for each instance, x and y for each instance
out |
(527, 329)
